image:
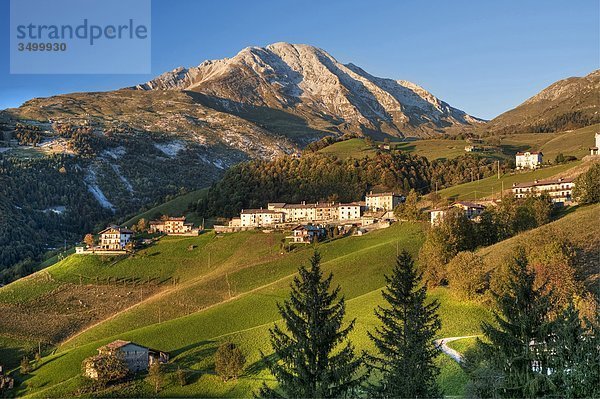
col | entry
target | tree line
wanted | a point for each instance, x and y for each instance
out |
(324, 177)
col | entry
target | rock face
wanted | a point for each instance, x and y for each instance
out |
(307, 82)
(569, 103)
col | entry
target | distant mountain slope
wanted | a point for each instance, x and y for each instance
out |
(102, 156)
(567, 104)
(308, 82)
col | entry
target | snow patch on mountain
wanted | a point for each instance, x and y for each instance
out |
(91, 182)
(170, 149)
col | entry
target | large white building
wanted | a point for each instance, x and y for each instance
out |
(560, 190)
(260, 218)
(528, 160)
(114, 238)
(383, 201)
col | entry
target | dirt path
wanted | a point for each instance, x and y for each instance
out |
(455, 355)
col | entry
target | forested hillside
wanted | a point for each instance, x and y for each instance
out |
(323, 177)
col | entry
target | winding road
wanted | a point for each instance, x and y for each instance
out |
(455, 355)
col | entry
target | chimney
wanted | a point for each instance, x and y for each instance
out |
(536, 181)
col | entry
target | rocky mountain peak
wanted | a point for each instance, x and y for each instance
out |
(310, 83)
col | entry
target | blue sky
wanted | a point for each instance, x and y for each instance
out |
(484, 57)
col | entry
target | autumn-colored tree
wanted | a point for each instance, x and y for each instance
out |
(25, 365)
(109, 367)
(409, 210)
(142, 225)
(89, 240)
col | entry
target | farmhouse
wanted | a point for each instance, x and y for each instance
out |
(528, 160)
(560, 190)
(471, 211)
(173, 226)
(306, 234)
(137, 357)
(114, 238)
(383, 201)
(260, 217)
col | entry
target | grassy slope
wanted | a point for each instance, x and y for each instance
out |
(492, 186)
(175, 207)
(574, 142)
(580, 226)
(357, 262)
(431, 149)
(355, 148)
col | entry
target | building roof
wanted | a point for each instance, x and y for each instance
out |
(122, 230)
(469, 204)
(350, 204)
(119, 343)
(307, 227)
(536, 183)
(530, 152)
(251, 211)
(276, 204)
(371, 194)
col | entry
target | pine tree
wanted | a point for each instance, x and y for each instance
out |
(575, 356)
(405, 340)
(315, 360)
(518, 343)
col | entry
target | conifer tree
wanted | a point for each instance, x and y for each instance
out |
(575, 360)
(405, 339)
(518, 343)
(313, 357)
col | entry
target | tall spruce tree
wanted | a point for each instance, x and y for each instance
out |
(313, 357)
(575, 357)
(518, 344)
(405, 339)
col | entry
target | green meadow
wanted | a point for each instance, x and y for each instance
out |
(226, 288)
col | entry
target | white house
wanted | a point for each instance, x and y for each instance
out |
(306, 234)
(560, 190)
(528, 160)
(173, 226)
(383, 201)
(349, 211)
(260, 217)
(471, 211)
(114, 238)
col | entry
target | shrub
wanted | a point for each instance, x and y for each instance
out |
(467, 275)
(229, 361)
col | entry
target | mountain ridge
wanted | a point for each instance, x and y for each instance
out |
(568, 103)
(309, 82)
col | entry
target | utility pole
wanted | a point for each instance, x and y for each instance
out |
(502, 192)
(228, 284)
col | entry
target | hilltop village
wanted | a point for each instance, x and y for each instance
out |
(310, 222)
